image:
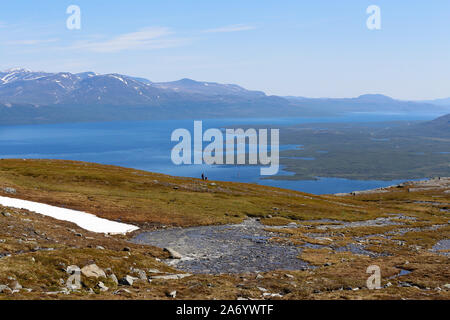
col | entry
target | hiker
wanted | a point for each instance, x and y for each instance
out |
(203, 176)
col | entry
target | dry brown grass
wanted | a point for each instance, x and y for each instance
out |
(151, 200)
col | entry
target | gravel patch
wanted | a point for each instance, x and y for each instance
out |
(237, 248)
(441, 246)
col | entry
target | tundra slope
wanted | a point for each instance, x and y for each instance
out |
(401, 230)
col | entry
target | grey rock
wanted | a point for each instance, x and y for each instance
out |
(127, 280)
(121, 291)
(5, 289)
(348, 288)
(15, 285)
(172, 253)
(153, 271)
(10, 190)
(93, 271)
(113, 278)
(272, 295)
(171, 276)
(142, 275)
(172, 294)
(405, 284)
(71, 269)
(6, 214)
(102, 287)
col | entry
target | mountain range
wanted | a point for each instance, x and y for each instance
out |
(44, 97)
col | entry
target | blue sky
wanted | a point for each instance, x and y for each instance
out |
(316, 48)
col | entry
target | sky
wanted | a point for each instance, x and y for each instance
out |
(320, 48)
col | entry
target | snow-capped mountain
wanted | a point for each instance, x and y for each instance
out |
(17, 74)
(207, 88)
(41, 88)
(29, 97)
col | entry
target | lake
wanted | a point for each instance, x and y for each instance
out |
(146, 145)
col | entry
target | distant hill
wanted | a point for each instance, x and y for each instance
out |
(42, 97)
(439, 102)
(438, 128)
(369, 103)
(441, 124)
(208, 88)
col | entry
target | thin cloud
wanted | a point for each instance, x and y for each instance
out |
(144, 39)
(31, 42)
(232, 28)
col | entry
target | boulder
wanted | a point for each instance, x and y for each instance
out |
(102, 287)
(171, 276)
(93, 271)
(153, 271)
(71, 269)
(120, 291)
(15, 285)
(127, 280)
(113, 278)
(172, 253)
(171, 294)
(142, 275)
(5, 289)
(10, 190)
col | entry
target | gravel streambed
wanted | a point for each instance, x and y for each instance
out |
(236, 248)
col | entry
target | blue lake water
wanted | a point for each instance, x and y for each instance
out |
(146, 145)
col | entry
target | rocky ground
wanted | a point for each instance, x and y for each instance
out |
(239, 248)
(277, 255)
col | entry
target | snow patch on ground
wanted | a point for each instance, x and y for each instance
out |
(84, 220)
